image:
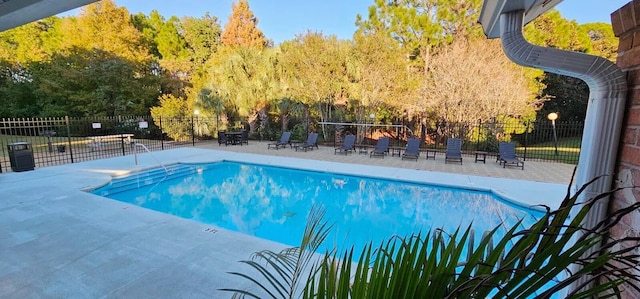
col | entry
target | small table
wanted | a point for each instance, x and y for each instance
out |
(294, 144)
(363, 149)
(431, 154)
(481, 156)
(235, 137)
(395, 150)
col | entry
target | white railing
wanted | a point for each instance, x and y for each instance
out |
(135, 146)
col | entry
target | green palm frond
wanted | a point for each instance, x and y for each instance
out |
(535, 262)
(281, 273)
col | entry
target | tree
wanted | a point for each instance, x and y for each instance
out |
(202, 37)
(168, 48)
(92, 82)
(422, 25)
(241, 29)
(603, 41)
(570, 97)
(171, 113)
(423, 28)
(149, 27)
(246, 78)
(379, 75)
(108, 28)
(288, 108)
(482, 86)
(316, 71)
(562, 94)
(203, 40)
(17, 97)
(554, 31)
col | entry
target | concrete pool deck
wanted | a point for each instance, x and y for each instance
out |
(57, 241)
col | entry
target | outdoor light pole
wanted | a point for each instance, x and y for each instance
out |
(197, 113)
(371, 116)
(217, 115)
(552, 117)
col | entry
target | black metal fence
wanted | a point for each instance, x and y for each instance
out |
(63, 140)
(536, 141)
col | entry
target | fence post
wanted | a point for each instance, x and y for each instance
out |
(2, 131)
(478, 134)
(193, 135)
(66, 120)
(161, 133)
(526, 135)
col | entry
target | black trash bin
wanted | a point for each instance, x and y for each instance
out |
(21, 156)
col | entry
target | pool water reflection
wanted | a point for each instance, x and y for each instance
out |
(273, 202)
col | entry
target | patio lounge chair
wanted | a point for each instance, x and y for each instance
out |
(348, 145)
(413, 149)
(454, 150)
(284, 140)
(508, 155)
(310, 143)
(382, 147)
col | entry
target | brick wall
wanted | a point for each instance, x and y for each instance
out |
(626, 26)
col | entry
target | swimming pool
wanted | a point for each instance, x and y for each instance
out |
(273, 202)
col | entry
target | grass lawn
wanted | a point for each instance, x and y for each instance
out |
(568, 151)
(39, 143)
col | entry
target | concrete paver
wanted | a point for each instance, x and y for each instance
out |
(57, 241)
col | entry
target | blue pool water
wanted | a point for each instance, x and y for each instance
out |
(273, 202)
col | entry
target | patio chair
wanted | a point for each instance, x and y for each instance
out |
(244, 138)
(508, 155)
(454, 150)
(222, 138)
(284, 140)
(413, 149)
(382, 147)
(310, 143)
(348, 145)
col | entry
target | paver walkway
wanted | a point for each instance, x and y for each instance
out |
(533, 171)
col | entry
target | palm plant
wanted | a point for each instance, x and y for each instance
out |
(284, 273)
(530, 263)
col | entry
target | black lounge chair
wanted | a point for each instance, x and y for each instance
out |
(310, 143)
(413, 149)
(381, 149)
(508, 155)
(348, 145)
(454, 150)
(284, 140)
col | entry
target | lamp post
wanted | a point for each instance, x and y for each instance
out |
(217, 115)
(371, 117)
(404, 129)
(196, 113)
(552, 117)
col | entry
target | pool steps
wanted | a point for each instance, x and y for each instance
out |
(149, 177)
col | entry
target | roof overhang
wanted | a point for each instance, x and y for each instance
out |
(492, 9)
(14, 13)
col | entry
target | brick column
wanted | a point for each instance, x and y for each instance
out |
(626, 26)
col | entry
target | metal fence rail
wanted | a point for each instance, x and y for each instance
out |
(535, 141)
(65, 140)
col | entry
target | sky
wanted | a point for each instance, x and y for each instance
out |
(284, 19)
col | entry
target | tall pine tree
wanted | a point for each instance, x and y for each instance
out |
(241, 29)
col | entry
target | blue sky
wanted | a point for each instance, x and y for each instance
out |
(282, 20)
